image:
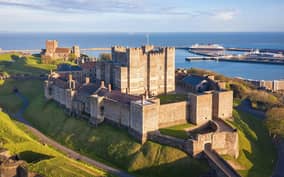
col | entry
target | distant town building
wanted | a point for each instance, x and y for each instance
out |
(53, 52)
(271, 85)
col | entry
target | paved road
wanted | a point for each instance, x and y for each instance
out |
(72, 154)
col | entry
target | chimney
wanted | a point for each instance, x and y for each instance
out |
(143, 99)
(146, 94)
(109, 87)
(102, 84)
(70, 77)
(211, 77)
(87, 80)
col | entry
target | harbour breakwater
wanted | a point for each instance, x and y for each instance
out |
(258, 57)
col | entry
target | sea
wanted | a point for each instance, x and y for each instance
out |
(254, 40)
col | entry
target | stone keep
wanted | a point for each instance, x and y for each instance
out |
(136, 70)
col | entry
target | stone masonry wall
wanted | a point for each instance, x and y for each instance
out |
(223, 104)
(225, 143)
(117, 112)
(200, 108)
(173, 114)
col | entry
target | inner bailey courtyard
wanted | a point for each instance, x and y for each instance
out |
(125, 91)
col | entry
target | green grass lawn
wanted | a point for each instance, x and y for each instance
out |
(7, 57)
(275, 121)
(172, 98)
(257, 153)
(8, 100)
(105, 142)
(178, 131)
(41, 158)
(17, 64)
(237, 102)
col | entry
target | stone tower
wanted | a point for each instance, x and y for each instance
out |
(223, 104)
(51, 45)
(76, 51)
(137, 70)
(200, 108)
(144, 118)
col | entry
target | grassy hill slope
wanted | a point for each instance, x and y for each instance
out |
(41, 158)
(257, 153)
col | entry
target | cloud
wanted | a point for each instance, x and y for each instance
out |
(225, 15)
(102, 6)
(75, 5)
(96, 6)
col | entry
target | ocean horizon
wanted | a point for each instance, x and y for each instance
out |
(254, 40)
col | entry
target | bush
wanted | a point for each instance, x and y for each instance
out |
(105, 56)
(262, 100)
(239, 90)
(275, 121)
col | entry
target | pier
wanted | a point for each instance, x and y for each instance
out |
(238, 59)
(239, 49)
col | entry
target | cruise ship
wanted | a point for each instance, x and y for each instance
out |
(206, 47)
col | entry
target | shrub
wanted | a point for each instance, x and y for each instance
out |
(275, 121)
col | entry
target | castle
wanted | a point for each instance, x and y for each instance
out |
(52, 51)
(124, 93)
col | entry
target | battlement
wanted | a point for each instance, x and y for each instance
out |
(157, 53)
(134, 50)
(171, 49)
(119, 49)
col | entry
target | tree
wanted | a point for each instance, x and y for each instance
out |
(275, 121)
(72, 57)
(105, 56)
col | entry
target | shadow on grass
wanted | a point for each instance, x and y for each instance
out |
(263, 151)
(15, 57)
(33, 157)
(175, 133)
(184, 167)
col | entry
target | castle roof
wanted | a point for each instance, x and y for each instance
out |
(88, 89)
(193, 80)
(62, 50)
(118, 96)
(61, 83)
(67, 67)
(88, 65)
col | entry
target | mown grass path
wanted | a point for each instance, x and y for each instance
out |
(72, 154)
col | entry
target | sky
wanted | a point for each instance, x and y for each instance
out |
(141, 16)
